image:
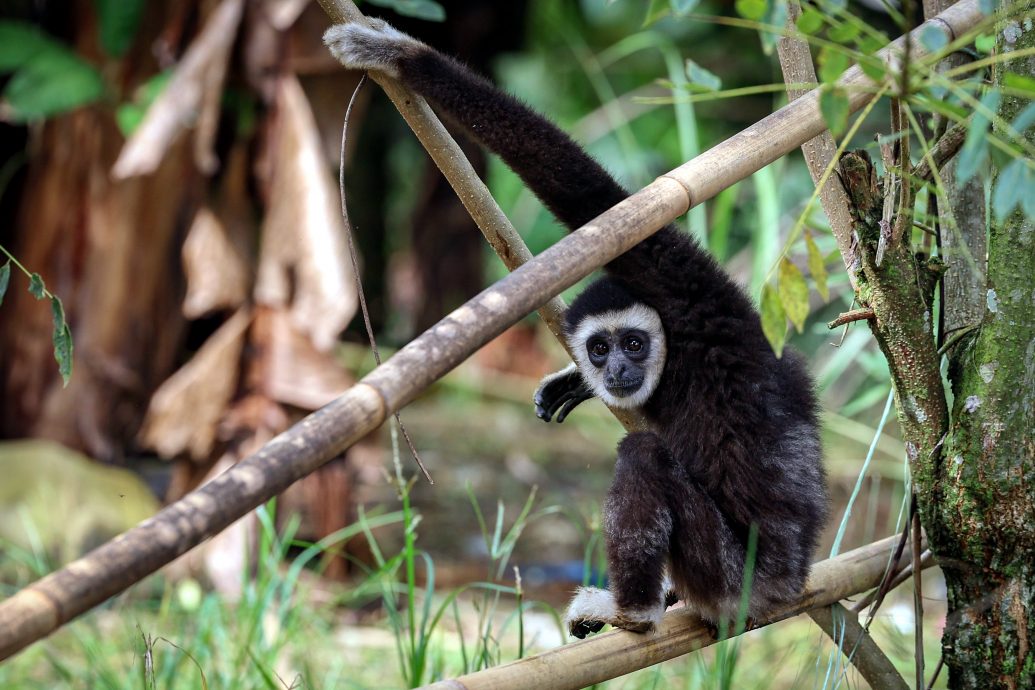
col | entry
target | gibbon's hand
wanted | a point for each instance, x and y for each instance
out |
(559, 393)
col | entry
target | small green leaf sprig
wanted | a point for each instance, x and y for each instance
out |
(62, 335)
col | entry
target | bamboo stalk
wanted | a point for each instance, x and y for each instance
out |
(797, 68)
(52, 601)
(616, 653)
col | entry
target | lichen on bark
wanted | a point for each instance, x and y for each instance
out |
(985, 520)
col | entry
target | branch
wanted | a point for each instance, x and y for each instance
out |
(52, 601)
(612, 654)
(864, 314)
(842, 626)
(796, 65)
(946, 147)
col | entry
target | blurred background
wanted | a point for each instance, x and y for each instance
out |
(169, 170)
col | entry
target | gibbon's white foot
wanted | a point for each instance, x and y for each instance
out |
(593, 608)
(376, 47)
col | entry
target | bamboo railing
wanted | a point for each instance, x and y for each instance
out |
(616, 653)
(43, 606)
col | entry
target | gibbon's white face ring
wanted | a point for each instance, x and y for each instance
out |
(639, 317)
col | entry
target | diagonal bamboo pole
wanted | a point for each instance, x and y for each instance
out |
(43, 606)
(616, 653)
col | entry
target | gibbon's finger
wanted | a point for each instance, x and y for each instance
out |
(568, 407)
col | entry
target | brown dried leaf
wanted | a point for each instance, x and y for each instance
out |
(191, 99)
(303, 234)
(185, 411)
(217, 276)
(294, 372)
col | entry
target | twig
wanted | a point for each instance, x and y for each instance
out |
(899, 576)
(937, 670)
(918, 601)
(957, 335)
(945, 148)
(863, 314)
(889, 574)
(355, 269)
(842, 626)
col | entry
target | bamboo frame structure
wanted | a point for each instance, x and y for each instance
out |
(618, 652)
(43, 606)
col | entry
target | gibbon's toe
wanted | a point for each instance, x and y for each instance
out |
(590, 609)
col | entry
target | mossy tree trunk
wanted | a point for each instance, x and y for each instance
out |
(983, 525)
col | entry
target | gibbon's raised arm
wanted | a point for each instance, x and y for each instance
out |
(569, 182)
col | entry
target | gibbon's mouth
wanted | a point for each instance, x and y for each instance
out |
(625, 388)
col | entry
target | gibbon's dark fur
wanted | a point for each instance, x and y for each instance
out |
(734, 438)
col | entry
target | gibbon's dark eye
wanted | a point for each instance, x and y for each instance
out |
(598, 348)
(633, 344)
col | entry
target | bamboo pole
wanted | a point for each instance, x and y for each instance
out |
(57, 598)
(616, 653)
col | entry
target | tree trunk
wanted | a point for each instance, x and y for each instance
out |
(984, 527)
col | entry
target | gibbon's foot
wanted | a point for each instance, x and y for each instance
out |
(592, 608)
(671, 598)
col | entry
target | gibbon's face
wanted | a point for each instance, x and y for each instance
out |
(621, 354)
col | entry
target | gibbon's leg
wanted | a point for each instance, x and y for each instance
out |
(707, 556)
(637, 530)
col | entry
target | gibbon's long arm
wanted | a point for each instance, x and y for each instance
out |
(573, 186)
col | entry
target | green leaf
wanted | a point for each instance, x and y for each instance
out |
(843, 32)
(985, 44)
(699, 76)
(57, 310)
(833, 104)
(656, 11)
(776, 15)
(63, 349)
(751, 9)
(36, 286)
(19, 41)
(817, 267)
(832, 63)
(974, 153)
(62, 339)
(774, 319)
(421, 9)
(794, 293)
(5, 278)
(1025, 119)
(117, 23)
(871, 43)
(1009, 188)
(52, 82)
(683, 6)
(1019, 82)
(933, 38)
(875, 69)
(810, 21)
(128, 116)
